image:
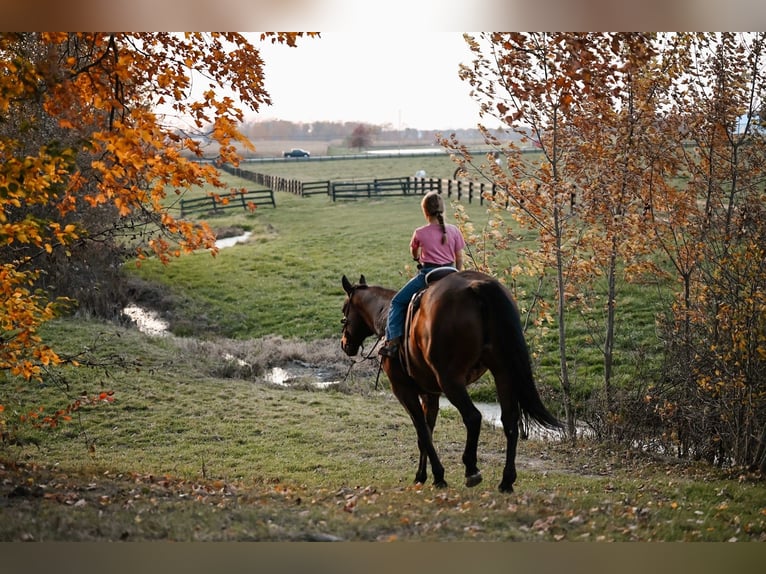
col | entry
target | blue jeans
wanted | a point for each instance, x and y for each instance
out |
(398, 308)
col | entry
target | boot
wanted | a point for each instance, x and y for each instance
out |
(391, 348)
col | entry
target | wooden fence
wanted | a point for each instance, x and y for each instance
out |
(461, 189)
(246, 200)
(385, 187)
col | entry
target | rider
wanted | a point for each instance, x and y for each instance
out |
(436, 244)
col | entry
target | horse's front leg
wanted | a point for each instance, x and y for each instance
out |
(430, 404)
(408, 396)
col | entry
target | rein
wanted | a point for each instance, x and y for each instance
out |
(370, 356)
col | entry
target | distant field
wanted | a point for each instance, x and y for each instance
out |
(199, 446)
(434, 165)
(337, 146)
(286, 279)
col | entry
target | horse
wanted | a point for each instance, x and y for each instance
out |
(466, 323)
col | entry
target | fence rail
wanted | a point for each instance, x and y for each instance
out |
(384, 187)
(242, 200)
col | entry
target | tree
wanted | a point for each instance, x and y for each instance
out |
(559, 91)
(624, 143)
(361, 137)
(713, 230)
(519, 79)
(653, 162)
(86, 160)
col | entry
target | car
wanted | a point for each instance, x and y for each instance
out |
(297, 152)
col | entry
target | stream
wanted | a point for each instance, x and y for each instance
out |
(297, 372)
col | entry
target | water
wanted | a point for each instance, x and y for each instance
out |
(151, 323)
(490, 413)
(147, 321)
(298, 372)
(232, 241)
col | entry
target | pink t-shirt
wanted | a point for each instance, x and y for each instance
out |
(432, 250)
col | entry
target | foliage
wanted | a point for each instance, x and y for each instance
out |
(361, 137)
(87, 161)
(585, 213)
(620, 126)
(714, 399)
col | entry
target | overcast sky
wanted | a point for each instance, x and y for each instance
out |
(378, 77)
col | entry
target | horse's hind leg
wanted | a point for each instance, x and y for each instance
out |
(410, 400)
(431, 411)
(458, 396)
(509, 408)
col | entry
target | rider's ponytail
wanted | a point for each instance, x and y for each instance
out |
(433, 205)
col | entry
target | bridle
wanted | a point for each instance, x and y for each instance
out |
(369, 356)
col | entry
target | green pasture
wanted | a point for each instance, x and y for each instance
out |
(338, 169)
(196, 447)
(286, 279)
(198, 444)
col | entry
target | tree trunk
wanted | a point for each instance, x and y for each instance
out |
(561, 318)
(610, 317)
(759, 462)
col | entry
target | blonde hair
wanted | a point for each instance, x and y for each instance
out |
(433, 205)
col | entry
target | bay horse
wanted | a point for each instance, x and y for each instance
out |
(466, 324)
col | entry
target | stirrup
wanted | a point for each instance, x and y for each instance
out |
(391, 348)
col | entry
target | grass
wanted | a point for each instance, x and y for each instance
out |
(185, 454)
(198, 445)
(286, 279)
(435, 165)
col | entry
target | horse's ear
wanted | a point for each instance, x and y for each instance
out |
(347, 287)
(362, 280)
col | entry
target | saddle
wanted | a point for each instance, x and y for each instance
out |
(431, 277)
(439, 273)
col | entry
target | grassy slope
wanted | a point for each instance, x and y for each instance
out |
(185, 453)
(196, 447)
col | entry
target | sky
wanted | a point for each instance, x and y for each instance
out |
(377, 77)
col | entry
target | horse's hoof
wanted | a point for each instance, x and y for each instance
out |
(506, 488)
(473, 480)
(440, 484)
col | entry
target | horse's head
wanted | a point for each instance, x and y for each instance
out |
(356, 327)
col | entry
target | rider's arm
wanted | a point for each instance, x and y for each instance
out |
(459, 259)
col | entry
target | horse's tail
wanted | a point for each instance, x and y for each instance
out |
(508, 335)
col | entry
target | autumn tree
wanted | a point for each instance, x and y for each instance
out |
(625, 151)
(518, 79)
(712, 229)
(87, 160)
(652, 166)
(361, 137)
(559, 91)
